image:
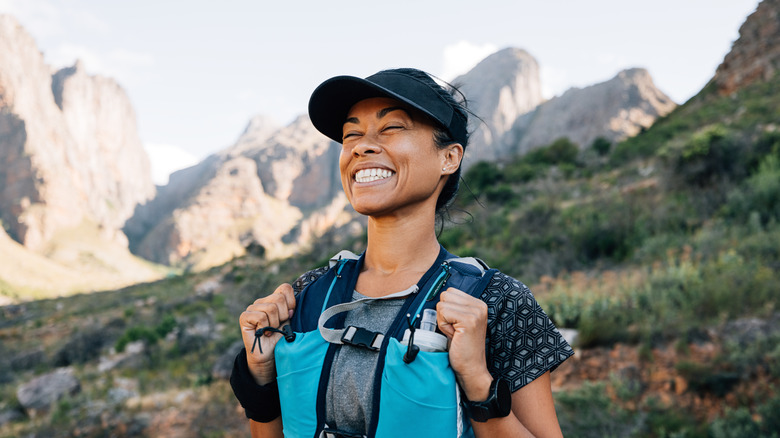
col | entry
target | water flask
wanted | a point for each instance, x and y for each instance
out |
(426, 337)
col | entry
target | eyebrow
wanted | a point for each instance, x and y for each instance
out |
(379, 114)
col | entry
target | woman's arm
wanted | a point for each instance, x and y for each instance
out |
(273, 310)
(533, 414)
(463, 319)
(266, 430)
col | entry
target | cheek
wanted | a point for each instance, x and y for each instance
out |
(344, 158)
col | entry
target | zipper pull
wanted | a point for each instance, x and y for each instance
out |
(443, 277)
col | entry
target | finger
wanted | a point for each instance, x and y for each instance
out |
(445, 325)
(284, 297)
(287, 292)
(459, 316)
(251, 319)
(452, 295)
(281, 313)
(260, 315)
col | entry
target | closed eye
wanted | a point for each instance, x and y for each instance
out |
(350, 134)
(391, 127)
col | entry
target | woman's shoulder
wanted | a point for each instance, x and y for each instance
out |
(308, 278)
(502, 286)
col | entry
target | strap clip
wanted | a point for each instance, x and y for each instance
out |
(360, 337)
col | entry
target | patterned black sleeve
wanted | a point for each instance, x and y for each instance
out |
(522, 342)
(307, 278)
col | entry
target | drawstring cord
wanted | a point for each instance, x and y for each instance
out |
(411, 349)
(286, 331)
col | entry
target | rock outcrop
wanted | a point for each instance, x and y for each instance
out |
(755, 56)
(615, 109)
(276, 191)
(501, 88)
(69, 148)
(39, 393)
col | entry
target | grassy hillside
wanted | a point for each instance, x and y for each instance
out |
(663, 251)
(76, 260)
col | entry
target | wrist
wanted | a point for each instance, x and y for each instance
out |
(260, 401)
(476, 386)
(263, 374)
(497, 405)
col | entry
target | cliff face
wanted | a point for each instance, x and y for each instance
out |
(614, 109)
(755, 56)
(504, 91)
(278, 191)
(502, 87)
(68, 145)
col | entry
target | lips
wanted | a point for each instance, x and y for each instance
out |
(372, 174)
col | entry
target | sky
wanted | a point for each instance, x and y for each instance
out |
(197, 71)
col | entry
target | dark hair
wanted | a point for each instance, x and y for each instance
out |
(443, 137)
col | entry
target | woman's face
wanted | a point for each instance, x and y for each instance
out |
(389, 162)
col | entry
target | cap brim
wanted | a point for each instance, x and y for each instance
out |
(331, 101)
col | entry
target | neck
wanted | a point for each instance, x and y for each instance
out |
(397, 244)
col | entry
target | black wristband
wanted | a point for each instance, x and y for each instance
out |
(261, 402)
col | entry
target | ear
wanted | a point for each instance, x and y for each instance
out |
(451, 156)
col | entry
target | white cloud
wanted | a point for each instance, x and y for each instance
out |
(166, 159)
(462, 56)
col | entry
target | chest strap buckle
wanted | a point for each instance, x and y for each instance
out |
(360, 337)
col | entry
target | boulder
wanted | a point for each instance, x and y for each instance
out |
(39, 393)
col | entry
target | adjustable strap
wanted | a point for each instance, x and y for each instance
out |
(328, 432)
(471, 261)
(352, 335)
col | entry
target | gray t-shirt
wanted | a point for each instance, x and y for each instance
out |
(351, 384)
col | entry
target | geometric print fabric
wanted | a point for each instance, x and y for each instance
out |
(523, 343)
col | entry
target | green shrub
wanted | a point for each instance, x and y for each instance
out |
(705, 157)
(82, 346)
(482, 175)
(559, 151)
(166, 326)
(761, 193)
(150, 335)
(500, 193)
(601, 145)
(521, 171)
(588, 412)
(737, 423)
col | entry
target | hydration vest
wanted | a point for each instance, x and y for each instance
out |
(413, 398)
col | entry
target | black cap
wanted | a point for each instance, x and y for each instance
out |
(331, 101)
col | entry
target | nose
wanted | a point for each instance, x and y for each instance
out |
(365, 146)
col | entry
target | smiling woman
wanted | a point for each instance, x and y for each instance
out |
(357, 359)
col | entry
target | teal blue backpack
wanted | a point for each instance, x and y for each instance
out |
(415, 393)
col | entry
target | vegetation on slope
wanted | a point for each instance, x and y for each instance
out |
(660, 249)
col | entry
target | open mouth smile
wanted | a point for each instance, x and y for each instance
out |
(370, 175)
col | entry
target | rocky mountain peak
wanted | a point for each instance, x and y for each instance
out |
(69, 147)
(755, 56)
(277, 191)
(614, 109)
(500, 88)
(258, 130)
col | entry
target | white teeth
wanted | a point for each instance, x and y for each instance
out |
(368, 175)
